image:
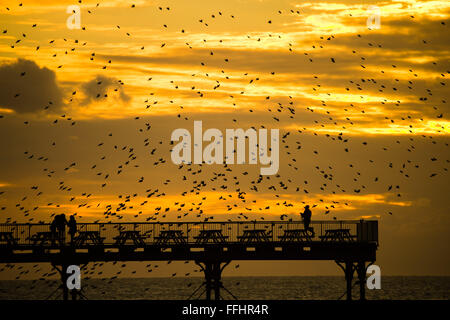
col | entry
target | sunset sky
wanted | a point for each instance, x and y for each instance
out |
(86, 116)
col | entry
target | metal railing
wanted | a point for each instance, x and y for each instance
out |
(358, 230)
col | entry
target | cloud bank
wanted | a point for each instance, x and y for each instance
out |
(27, 88)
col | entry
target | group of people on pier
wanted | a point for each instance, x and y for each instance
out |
(58, 228)
(59, 223)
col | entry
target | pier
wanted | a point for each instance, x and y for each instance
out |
(211, 245)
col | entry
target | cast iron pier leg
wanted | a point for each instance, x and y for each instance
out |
(348, 268)
(208, 274)
(63, 286)
(213, 275)
(349, 278)
(361, 270)
(217, 273)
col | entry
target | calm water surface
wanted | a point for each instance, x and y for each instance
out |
(277, 288)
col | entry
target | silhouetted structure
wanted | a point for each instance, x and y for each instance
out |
(72, 228)
(306, 216)
(211, 245)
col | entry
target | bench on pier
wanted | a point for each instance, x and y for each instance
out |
(254, 236)
(134, 236)
(295, 235)
(210, 236)
(8, 239)
(46, 237)
(92, 237)
(338, 235)
(168, 236)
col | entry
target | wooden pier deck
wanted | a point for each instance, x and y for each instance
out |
(211, 245)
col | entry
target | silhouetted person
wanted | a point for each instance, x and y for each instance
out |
(61, 227)
(72, 228)
(53, 230)
(306, 216)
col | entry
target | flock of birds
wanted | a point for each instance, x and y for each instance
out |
(226, 181)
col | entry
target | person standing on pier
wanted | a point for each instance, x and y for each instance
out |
(306, 216)
(53, 230)
(72, 228)
(61, 227)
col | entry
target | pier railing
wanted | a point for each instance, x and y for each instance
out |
(232, 232)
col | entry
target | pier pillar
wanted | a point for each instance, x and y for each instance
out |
(213, 276)
(217, 276)
(62, 270)
(63, 285)
(349, 270)
(361, 270)
(348, 267)
(208, 279)
(64, 282)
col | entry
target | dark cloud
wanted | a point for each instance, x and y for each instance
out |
(98, 88)
(26, 88)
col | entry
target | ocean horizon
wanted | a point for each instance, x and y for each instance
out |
(244, 288)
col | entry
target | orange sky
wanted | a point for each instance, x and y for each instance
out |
(368, 133)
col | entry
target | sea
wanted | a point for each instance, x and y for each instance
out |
(242, 288)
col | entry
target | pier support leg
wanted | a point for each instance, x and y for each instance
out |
(349, 269)
(361, 270)
(63, 285)
(349, 278)
(64, 282)
(208, 280)
(74, 293)
(212, 279)
(213, 276)
(217, 277)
